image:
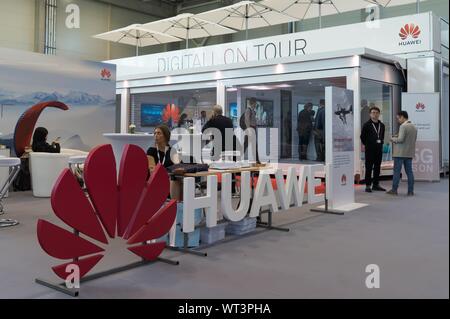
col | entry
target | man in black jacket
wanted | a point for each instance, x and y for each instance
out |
(372, 137)
(224, 125)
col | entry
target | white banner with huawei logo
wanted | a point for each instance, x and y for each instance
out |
(423, 110)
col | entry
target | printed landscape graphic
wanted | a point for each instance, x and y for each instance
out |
(88, 89)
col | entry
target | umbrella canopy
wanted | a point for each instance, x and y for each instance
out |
(246, 15)
(391, 3)
(306, 9)
(188, 26)
(137, 35)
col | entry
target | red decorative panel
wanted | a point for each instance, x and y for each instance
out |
(85, 265)
(132, 178)
(158, 225)
(149, 251)
(23, 131)
(71, 205)
(62, 244)
(101, 182)
(154, 196)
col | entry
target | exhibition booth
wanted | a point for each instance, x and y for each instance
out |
(285, 72)
(100, 185)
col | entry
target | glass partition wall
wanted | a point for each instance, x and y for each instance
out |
(381, 95)
(292, 108)
(176, 109)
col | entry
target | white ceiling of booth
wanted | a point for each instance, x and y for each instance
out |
(246, 15)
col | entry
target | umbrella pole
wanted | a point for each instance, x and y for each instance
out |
(246, 22)
(418, 6)
(187, 39)
(320, 15)
(246, 28)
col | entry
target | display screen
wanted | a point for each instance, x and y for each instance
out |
(233, 110)
(151, 114)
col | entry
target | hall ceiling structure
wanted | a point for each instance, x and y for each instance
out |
(163, 8)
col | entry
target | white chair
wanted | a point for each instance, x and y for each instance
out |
(13, 164)
(45, 169)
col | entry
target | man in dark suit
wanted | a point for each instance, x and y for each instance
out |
(224, 125)
(372, 137)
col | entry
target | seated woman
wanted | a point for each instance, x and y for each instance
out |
(160, 153)
(40, 142)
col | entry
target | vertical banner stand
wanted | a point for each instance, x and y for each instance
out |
(340, 152)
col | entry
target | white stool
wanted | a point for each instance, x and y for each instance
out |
(13, 164)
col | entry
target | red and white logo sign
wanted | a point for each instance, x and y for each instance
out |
(409, 30)
(420, 107)
(106, 74)
(409, 34)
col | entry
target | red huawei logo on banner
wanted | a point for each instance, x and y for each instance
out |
(106, 74)
(124, 205)
(420, 106)
(409, 30)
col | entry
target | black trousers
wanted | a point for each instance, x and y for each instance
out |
(374, 157)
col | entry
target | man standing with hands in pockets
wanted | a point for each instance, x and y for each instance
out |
(372, 137)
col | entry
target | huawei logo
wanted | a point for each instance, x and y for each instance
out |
(106, 74)
(171, 114)
(409, 30)
(123, 204)
(420, 107)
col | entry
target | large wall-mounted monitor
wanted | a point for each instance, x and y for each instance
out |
(151, 114)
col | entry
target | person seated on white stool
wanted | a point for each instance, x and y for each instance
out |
(14, 164)
(40, 142)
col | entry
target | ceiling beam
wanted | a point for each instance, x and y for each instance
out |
(156, 8)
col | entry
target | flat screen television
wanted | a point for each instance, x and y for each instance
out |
(151, 114)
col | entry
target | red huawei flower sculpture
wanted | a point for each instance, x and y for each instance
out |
(171, 113)
(127, 205)
(409, 30)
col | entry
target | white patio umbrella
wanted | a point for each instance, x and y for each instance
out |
(188, 26)
(305, 9)
(137, 35)
(391, 3)
(246, 15)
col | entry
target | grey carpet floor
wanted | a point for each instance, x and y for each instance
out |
(323, 256)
